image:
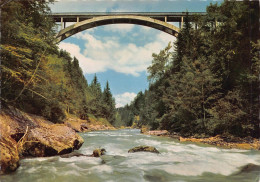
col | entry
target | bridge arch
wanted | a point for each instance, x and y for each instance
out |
(116, 19)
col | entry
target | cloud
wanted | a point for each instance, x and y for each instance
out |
(88, 65)
(146, 29)
(100, 54)
(123, 99)
(121, 28)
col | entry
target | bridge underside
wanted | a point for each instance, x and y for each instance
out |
(106, 20)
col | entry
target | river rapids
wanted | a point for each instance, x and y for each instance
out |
(177, 162)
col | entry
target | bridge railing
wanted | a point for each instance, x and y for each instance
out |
(64, 17)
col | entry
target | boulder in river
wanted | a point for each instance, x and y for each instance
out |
(9, 156)
(24, 134)
(249, 168)
(144, 148)
(98, 152)
(52, 140)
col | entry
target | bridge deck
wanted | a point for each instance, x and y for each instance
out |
(80, 16)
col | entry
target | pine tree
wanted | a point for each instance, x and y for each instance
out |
(109, 110)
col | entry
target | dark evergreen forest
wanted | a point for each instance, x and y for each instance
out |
(37, 77)
(207, 82)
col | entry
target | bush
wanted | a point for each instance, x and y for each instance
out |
(57, 114)
(54, 112)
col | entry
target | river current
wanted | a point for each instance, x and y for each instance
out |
(177, 162)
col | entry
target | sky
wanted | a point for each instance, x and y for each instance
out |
(121, 53)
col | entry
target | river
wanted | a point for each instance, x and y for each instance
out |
(177, 161)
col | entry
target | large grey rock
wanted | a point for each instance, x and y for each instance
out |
(52, 140)
(9, 156)
(23, 134)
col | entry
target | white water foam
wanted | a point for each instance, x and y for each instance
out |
(115, 149)
(71, 172)
(39, 159)
(34, 169)
(75, 167)
(82, 159)
(101, 169)
(148, 142)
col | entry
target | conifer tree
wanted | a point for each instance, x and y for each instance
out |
(109, 110)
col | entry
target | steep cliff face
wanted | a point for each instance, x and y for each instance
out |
(25, 134)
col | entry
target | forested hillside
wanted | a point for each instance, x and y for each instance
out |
(207, 82)
(37, 77)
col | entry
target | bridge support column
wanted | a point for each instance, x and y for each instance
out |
(182, 22)
(165, 19)
(77, 19)
(61, 23)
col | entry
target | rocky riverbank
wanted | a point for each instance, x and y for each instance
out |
(220, 141)
(28, 135)
(91, 124)
(227, 142)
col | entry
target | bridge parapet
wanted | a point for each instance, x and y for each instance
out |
(171, 16)
(162, 16)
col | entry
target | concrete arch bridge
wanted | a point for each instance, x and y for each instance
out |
(85, 21)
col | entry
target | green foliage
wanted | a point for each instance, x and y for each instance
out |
(160, 64)
(24, 44)
(109, 105)
(210, 84)
(126, 116)
(37, 77)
